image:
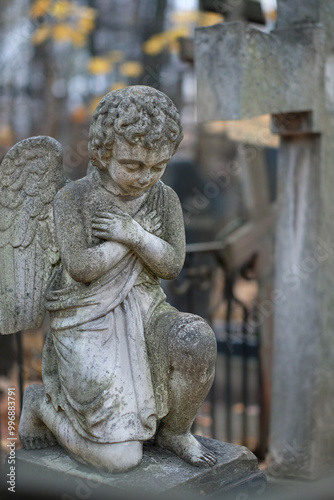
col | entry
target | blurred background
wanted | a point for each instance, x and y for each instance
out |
(57, 60)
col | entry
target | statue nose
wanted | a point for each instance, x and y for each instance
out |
(144, 179)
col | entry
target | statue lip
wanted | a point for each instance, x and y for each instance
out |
(140, 187)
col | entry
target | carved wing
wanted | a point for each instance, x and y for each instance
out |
(31, 174)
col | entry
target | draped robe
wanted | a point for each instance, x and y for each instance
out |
(95, 362)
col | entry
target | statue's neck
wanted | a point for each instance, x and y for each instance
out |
(128, 204)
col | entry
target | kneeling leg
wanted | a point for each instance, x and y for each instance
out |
(40, 426)
(193, 353)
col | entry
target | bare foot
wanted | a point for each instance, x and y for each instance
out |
(186, 447)
(32, 431)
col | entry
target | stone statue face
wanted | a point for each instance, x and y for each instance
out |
(133, 169)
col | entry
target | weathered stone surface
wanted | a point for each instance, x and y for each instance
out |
(304, 12)
(242, 73)
(296, 343)
(160, 472)
(117, 358)
(30, 176)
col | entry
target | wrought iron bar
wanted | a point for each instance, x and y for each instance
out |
(217, 249)
(244, 388)
(229, 281)
(263, 420)
(18, 337)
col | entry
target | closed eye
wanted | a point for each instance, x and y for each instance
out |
(159, 167)
(131, 166)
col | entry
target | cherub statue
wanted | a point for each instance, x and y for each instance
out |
(120, 365)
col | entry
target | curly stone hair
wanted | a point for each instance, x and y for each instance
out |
(140, 114)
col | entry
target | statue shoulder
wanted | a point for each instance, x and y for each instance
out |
(73, 193)
(169, 194)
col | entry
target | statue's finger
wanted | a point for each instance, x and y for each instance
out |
(103, 214)
(106, 223)
(143, 211)
(118, 211)
(104, 236)
(101, 230)
(100, 227)
(108, 215)
(104, 218)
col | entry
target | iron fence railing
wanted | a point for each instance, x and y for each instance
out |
(191, 291)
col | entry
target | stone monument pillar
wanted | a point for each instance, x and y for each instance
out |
(289, 73)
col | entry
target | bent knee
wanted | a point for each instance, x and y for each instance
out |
(124, 456)
(194, 342)
(117, 457)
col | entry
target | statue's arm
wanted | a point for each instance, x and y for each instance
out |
(83, 263)
(164, 257)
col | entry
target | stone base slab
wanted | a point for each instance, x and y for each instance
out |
(52, 474)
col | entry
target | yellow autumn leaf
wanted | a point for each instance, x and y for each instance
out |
(210, 18)
(62, 32)
(175, 33)
(99, 66)
(79, 114)
(41, 34)
(93, 103)
(154, 45)
(40, 8)
(131, 69)
(6, 135)
(272, 15)
(86, 25)
(84, 12)
(116, 56)
(61, 9)
(185, 16)
(78, 38)
(117, 86)
(174, 47)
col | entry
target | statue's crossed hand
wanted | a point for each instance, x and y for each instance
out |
(150, 221)
(121, 227)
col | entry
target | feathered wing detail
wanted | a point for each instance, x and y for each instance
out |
(31, 174)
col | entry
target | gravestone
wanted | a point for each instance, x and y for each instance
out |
(289, 73)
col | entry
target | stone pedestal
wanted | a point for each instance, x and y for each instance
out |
(51, 473)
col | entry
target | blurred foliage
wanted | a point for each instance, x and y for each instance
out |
(100, 65)
(63, 21)
(68, 69)
(6, 135)
(131, 69)
(183, 23)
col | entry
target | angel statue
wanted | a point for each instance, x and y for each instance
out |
(120, 365)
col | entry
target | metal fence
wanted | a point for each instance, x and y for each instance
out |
(238, 343)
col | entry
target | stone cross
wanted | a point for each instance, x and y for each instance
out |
(289, 73)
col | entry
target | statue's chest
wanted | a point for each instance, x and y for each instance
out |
(103, 201)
